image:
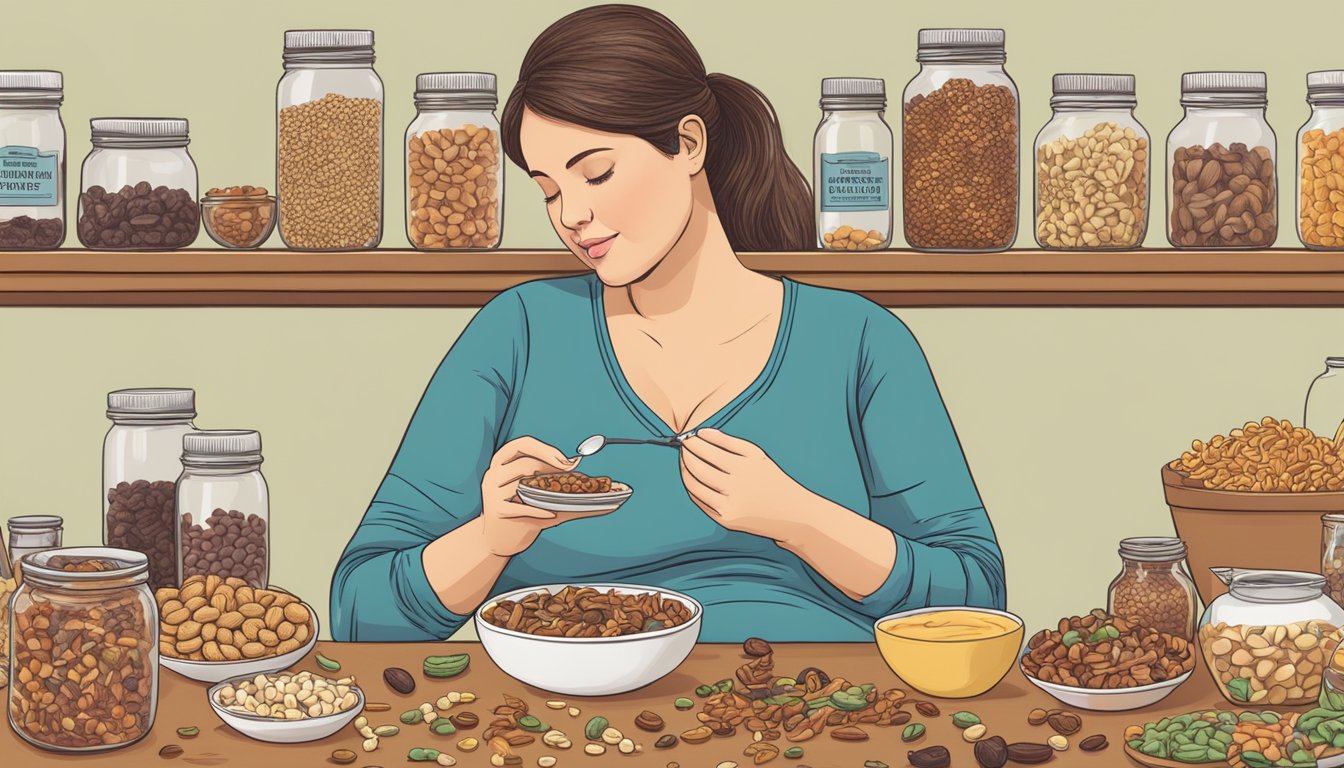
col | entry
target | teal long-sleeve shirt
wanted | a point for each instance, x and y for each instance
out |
(846, 405)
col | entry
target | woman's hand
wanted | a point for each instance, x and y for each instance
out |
(738, 485)
(511, 526)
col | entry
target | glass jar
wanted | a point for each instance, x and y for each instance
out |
(1265, 640)
(32, 161)
(454, 179)
(142, 459)
(1332, 555)
(138, 186)
(329, 141)
(1323, 413)
(29, 534)
(112, 650)
(1092, 166)
(1154, 586)
(1320, 156)
(224, 507)
(851, 165)
(1221, 186)
(959, 135)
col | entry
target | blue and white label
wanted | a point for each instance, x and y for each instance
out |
(855, 181)
(28, 177)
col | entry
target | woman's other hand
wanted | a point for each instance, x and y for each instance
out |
(737, 484)
(511, 526)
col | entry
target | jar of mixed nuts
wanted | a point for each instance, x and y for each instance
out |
(959, 134)
(851, 166)
(1154, 586)
(138, 186)
(329, 141)
(1222, 191)
(85, 670)
(1092, 166)
(1320, 164)
(142, 458)
(454, 180)
(32, 161)
(224, 506)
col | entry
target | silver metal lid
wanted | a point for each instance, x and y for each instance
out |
(1089, 83)
(222, 446)
(1334, 362)
(47, 568)
(1230, 89)
(151, 403)
(456, 82)
(30, 80)
(961, 45)
(1326, 87)
(139, 132)
(1153, 549)
(853, 86)
(309, 39)
(30, 523)
(1263, 586)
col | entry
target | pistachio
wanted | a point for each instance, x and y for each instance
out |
(331, 665)
(912, 732)
(593, 730)
(965, 719)
(684, 703)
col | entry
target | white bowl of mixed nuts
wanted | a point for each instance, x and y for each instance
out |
(258, 706)
(589, 640)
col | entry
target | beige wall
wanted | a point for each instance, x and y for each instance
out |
(1065, 414)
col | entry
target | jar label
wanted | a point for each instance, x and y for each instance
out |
(854, 181)
(27, 176)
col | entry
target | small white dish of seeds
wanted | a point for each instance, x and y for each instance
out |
(286, 707)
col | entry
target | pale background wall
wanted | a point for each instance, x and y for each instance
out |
(1065, 415)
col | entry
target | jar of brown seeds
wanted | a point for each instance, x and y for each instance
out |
(1154, 586)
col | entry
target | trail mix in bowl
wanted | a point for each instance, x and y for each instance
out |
(1108, 652)
(569, 482)
(587, 612)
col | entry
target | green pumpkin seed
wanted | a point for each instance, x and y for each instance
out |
(423, 754)
(188, 732)
(531, 723)
(412, 717)
(793, 753)
(914, 731)
(847, 701)
(331, 665)
(446, 666)
(1071, 638)
(704, 691)
(442, 727)
(593, 730)
(964, 720)
(724, 686)
(1240, 690)
(683, 703)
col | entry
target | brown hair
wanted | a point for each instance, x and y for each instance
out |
(630, 70)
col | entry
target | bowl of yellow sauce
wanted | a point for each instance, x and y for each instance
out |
(950, 652)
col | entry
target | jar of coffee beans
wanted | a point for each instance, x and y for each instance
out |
(138, 186)
(959, 135)
(142, 458)
(224, 507)
(32, 161)
(851, 165)
(1222, 191)
(329, 141)
(84, 631)
(1154, 586)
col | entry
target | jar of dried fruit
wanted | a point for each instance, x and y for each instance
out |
(1092, 165)
(1222, 192)
(85, 670)
(142, 458)
(959, 134)
(329, 141)
(1320, 164)
(851, 166)
(224, 506)
(454, 180)
(138, 186)
(1265, 640)
(32, 161)
(1154, 586)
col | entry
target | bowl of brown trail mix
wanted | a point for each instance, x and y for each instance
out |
(589, 640)
(573, 492)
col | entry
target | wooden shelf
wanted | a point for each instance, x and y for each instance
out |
(894, 278)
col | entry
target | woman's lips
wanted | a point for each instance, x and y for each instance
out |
(599, 248)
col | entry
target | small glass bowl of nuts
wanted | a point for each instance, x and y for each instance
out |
(238, 218)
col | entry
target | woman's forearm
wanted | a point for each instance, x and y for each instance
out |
(849, 550)
(461, 567)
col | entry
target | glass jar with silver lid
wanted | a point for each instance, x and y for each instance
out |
(224, 506)
(138, 186)
(851, 165)
(32, 160)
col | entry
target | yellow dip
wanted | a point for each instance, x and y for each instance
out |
(958, 624)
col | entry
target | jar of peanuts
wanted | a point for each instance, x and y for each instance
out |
(851, 167)
(1154, 586)
(1092, 164)
(1320, 164)
(454, 180)
(84, 675)
(959, 144)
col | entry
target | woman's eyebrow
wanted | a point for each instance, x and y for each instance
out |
(575, 159)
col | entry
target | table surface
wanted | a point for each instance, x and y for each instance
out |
(182, 702)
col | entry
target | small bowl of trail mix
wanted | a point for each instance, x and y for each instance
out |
(573, 492)
(589, 640)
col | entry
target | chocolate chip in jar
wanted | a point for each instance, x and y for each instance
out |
(138, 217)
(140, 517)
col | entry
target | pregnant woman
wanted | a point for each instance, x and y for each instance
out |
(824, 486)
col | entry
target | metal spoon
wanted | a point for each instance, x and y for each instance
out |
(597, 442)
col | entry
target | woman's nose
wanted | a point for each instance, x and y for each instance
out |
(574, 215)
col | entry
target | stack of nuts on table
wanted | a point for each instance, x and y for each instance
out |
(1106, 652)
(847, 238)
(1322, 205)
(454, 188)
(1092, 191)
(1269, 664)
(1271, 456)
(216, 619)
(1223, 196)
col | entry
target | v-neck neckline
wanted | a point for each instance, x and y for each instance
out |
(646, 415)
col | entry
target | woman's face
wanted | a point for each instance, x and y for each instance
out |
(617, 202)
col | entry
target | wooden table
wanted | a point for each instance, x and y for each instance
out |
(182, 702)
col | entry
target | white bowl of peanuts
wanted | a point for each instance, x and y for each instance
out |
(287, 707)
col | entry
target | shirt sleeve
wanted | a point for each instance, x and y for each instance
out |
(379, 591)
(919, 485)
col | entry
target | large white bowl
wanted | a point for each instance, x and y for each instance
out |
(589, 666)
(217, 671)
(1115, 700)
(283, 731)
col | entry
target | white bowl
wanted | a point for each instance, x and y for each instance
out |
(1113, 700)
(217, 671)
(554, 501)
(589, 666)
(282, 731)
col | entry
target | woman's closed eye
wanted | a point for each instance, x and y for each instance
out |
(602, 179)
